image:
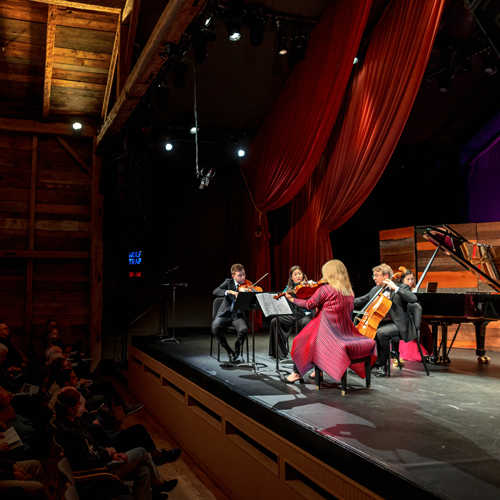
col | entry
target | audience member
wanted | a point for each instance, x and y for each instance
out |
(23, 474)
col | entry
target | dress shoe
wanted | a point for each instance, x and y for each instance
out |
(237, 349)
(380, 372)
(395, 363)
(165, 487)
(286, 381)
(167, 456)
(231, 354)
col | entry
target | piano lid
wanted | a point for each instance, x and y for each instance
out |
(482, 260)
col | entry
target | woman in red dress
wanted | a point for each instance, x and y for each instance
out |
(330, 340)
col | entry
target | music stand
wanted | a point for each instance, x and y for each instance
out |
(247, 301)
(165, 311)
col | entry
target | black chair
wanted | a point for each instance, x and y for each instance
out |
(415, 310)
(215, 307)
(367, 360)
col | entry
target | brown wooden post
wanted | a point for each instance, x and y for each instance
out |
(28, 338)
(96, 265)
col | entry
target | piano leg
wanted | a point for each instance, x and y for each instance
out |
(444, 343)
(480, 337)
(435, 354)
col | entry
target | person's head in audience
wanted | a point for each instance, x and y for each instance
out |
(69, 404)
(5, 397)
(52, 337)
(49, 324)
(51, 353)
(4, 350)
(66, 378)
(4, 331)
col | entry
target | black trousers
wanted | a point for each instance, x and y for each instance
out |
(286, 325)
(386, 333)
(106, 388)
(235, 320)
(135, 436)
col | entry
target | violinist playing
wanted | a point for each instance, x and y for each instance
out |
(397, 324)
(227, 316)
(287, 322)
(330, 341)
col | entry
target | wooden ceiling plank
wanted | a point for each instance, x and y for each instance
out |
(73, 153)
(79, 61)
(83, 54)
(66, 20)
(78, 85)
(7, 12)
(20, 78)
(174, 20)
(112, 6)
(34, 127)
(111, 74)
(49, 58)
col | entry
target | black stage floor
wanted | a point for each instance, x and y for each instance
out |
(409, 436)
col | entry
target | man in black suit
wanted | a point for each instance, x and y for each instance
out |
(397, 324)
(226, 315)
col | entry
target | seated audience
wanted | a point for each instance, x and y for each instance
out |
(25, 475)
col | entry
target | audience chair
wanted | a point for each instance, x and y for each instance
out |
(215, 307)
(71, 493)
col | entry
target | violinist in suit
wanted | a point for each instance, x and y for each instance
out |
(397, 323)
(227, 316)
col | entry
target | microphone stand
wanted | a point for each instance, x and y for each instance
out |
(174, 287)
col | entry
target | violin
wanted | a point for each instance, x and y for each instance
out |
(248, 286)
(375, 311)
(304, 290)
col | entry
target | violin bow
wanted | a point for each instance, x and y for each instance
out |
(253, 284)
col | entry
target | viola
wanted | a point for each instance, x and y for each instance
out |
(248, 286)
(308, 289)
(375, 311)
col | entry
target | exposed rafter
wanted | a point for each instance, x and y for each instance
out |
(112, 6)
(111, 73)
(176, 17)
(33, 127)
(49, 58)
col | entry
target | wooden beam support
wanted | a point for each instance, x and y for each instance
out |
(34, 154)
(33, 127)
(43, 254)
(113, 6)
(96, 265)
(176, 17)
(127, 43)
(111, 73)
(49, 58)
(73, 153)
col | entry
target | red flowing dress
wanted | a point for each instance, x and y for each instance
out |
(331, 340)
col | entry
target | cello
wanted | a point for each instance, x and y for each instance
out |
(375, 311)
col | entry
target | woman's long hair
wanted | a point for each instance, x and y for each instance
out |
(336, 274)
(290, 285)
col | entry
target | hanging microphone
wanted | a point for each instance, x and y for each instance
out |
(172, 270)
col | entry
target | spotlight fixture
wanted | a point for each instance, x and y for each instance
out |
(208, 21)
(282, 47)
(298, 50)
(490, 63)
(233, 30)
(77, 126)
(180, 68)
(257, 21)
(168, 146)
(241, 153)
(444, 80)
(192, 130)
(356, 60)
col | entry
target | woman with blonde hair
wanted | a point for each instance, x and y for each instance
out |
(330, 340)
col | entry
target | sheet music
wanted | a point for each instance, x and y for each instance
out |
(273, 307)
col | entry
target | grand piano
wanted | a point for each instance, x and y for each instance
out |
(444, 309)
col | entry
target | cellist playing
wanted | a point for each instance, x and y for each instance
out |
(397, 323)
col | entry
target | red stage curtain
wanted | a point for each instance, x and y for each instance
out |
(376, 109)
(290, 142)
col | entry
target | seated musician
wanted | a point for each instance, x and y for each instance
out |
(287, 322)
(397, 324)
(227, 316)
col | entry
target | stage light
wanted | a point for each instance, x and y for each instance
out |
(233, 30)
(192, 130)
(180, 68)
(282, 46)
(444, 80)
(490, 63)
(241, 153)
(208, 21)
(77, 126)
(168, 146)
(356, 60)
(298, 50)
(257, 21)
(206, 177)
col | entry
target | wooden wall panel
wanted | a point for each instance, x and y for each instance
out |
(449, 274)
(45, 236)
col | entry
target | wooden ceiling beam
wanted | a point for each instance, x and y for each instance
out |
(49, 58)
(176, 17)
(111, 73)
(127, 43)
(112, 6)
(33, 127)
(75, 155)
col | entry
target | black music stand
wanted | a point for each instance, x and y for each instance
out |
(247, 301)
(164, 312)
(276, 350)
